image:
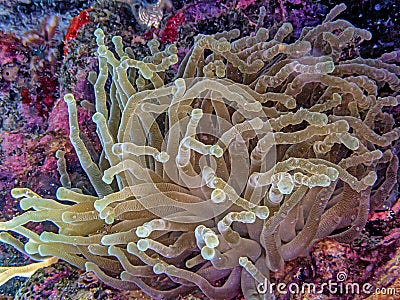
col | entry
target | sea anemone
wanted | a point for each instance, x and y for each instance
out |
(257, 149)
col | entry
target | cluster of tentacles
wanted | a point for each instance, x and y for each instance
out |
(258, 148)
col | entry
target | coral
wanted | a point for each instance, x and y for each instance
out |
(258, 148)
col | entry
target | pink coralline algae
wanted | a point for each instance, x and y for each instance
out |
(169, 33)
(44, 96)
(202, 10)
(10, 50)
(48, 283)
(244, 3)
(28, 67)
(23, 157)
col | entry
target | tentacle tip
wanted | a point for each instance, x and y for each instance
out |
(218, 196)
(142, 232)
(162, 157)
(69, 98)
(97, 117)
(107, 179)
(262, 212)
(207, 253)
(217, 151)
(243, 261)
(17, 193)
(159, 268)
(117, 148)
(112, 250)
(98, 205)
(143, 245)
(99, 32)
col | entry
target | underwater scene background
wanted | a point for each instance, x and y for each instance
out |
(199, 149)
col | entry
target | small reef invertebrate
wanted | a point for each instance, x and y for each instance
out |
(148, 13)
(258, 148)
(76, 24)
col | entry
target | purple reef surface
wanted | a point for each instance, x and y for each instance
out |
(53, 53)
